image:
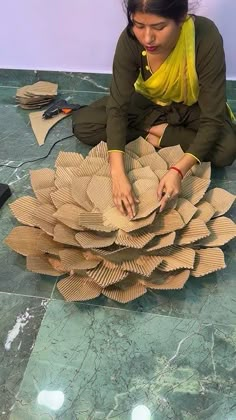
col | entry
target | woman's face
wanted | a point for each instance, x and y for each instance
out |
(156, 34)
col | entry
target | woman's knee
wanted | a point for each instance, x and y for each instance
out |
(224, 158)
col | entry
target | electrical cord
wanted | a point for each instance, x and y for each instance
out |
(35, 160)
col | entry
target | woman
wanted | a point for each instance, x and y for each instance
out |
(169, 86)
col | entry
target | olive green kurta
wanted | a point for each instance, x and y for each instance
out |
(204, 129)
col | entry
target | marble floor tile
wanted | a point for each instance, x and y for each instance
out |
(94, 363)
(20, 321)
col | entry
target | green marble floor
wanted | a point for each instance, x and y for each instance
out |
(168, 355)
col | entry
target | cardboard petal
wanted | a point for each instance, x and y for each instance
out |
(24, 210)
(208, 261)
(220, 199)
(194, 188)
(171, 155)
(69, 215)
(140, 147)
(42, 178)
(99, 151)
(144, 265)
(202, 171)
(104, 276)
(186, 209)
(126, 295)
(174, 281)
(57, 264)
(44, 195)
(44, 216)
(141, 174)
(24, 240)
(41, 127)
(160, 242)
(131, 163)
(93, 240)
(65, 235)
(64, 176)
(79, 192)
(134, 240)
(113, 216)
(118, 255)
(193, 232)
(148, 203)
(40, 264)
(222, 230)
(62, 196)
(43, 88)
(74, 259)
(95, 221)
(141, 186)
(104, 170)
(100, 192)
(48, 245)
(76, 288)
(175, 258)
(69, 160)
(154, 161)
(205, 211)
(91, 166)
(160, 173)
(166, 222)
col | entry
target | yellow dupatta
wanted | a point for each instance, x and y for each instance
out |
(176, 80)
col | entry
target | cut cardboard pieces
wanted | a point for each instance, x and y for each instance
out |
(106, 253)
(37, 95)
(41, 126)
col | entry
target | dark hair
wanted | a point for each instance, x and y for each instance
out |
(170, 9)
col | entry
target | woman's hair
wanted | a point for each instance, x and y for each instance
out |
(170, 9)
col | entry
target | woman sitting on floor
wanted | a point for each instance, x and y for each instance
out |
(169, 86)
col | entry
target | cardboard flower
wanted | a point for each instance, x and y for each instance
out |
(71, 227)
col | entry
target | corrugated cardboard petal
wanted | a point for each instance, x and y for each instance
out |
(148, 203)
(194, 188)
(93, 240)
(24, 210)
(202, 171)
(79, 192)
(91, 166)
(208, 261)
(186, 209)
(100, 192)
(65, 235)
(134, 240)
(104, 276)
(41, 126)
(64, 176)
(220, 199)
(118, 255)
(130, 163)
(40, 264)
(69, 215)
(160, 173)
(99, 151)
(140, 147)
(141, 186)
(73, 259)
(144, 265)
(44, 195)
(104, 170)
(205, 211)
(154, 161)
(69, 160)
(222, 230)
(160, 242)
(142, 173)
(62, 196)
(48, 245)
(167, 222)
(42, 178)
(24, 240)
(193, 232)
(171, 155)
(42, 88)
(175, 258)
(174, 281)
(113, 216)
(77, 289)
(127, 295)
(57, 265)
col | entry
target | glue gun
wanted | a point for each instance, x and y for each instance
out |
(58, 106)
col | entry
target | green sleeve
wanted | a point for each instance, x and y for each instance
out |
(125, 73)
(211, 69)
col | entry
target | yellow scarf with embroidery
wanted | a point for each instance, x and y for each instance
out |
(176, 80)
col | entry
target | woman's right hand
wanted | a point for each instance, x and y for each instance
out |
(123, 196)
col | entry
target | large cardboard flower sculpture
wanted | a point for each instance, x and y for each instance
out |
(72, 229)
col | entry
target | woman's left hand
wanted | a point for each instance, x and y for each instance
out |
(169, 188)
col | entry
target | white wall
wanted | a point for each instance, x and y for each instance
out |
(80, 35)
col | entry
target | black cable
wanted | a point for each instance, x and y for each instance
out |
(35, 160)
